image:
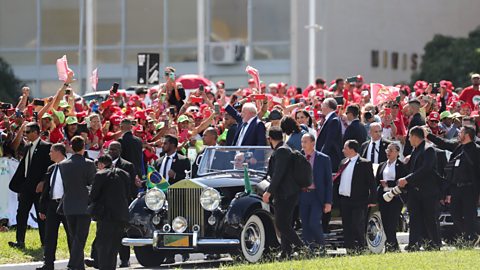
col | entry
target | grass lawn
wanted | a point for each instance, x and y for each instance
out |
(459, 259)
(33, 251)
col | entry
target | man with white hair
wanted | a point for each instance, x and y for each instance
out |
(251, 130)
(374, 149)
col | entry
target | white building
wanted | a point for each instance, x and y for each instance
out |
(382, 40)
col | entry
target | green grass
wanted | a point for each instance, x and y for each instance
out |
(33, 251)
(458, 259)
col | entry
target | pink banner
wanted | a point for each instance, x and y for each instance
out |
(255, 75)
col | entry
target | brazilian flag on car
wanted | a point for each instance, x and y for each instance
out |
(154, 179)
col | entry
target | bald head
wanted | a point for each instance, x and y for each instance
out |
(210, 136)
(115, 150)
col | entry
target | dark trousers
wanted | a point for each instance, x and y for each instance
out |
(52, 224)
(390, 212)
(79, 226)
(464, 211)
(283, 221)
(124, 251)
(354, 223)
(25, 202)
(423, 212)
(108, 240)
(311, 209)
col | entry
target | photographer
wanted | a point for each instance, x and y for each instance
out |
(463, 175)
(387, 177)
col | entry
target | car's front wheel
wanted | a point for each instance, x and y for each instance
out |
(148, 257)
(253, 239)
(375, 235)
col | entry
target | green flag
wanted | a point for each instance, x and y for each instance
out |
(246, 179)
(154, 179)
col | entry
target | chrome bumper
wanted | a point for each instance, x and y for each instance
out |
(140, 242)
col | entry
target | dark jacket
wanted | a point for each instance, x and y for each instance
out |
(322, 177)
(77, 174)
(363, 190)
(416, 120)
(355, 131)
(255, 134)
(400, 171)
(45, 196)
(232, 130)
(180, 164)
(329, 141)
(382, 155)
(423, 178)
(111, 189)
(282, 184)
(132, 151)
(130, 169)
(38, 166)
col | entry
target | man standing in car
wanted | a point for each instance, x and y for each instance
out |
(284, 191)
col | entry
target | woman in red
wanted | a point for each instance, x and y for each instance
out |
(95, 134)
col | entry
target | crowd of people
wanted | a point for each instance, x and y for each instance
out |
(422, 141)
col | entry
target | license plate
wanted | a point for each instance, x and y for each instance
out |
(170, 240)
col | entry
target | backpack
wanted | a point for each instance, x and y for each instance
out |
(302, 170)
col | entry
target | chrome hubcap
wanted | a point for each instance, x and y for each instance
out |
(252, 239)
(374, 232)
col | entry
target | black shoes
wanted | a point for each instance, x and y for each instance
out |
(17, 245)
(169, 260)
(124, 264)
(45, 267)
(91, 263)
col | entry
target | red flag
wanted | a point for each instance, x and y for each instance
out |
(255, 75)
(381, 93)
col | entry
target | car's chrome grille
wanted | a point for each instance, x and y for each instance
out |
(185, 202)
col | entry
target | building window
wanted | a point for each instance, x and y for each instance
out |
(375, 58)
(385, 59)
(144, 22)
(228, 20)
(394, 60)
(60, 23)
(404, 61)
(18, 24)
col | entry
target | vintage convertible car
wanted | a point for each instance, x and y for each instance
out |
(213, 213)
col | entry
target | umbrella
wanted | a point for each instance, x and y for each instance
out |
(193, 81)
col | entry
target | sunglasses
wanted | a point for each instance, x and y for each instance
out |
(167, 73)
(27, 131)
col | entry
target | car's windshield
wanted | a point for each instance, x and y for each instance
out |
(217, 159)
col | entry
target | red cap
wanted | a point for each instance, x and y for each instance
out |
(282, 84)
(81, 114)
(222, 83)
(140, 115)
(251, 81)
(359, 78)
(115, 119)
(134, 98)
(434, 116)
(420, 85)
(466, 105)
(106, 103)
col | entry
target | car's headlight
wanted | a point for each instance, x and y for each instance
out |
(155, 199)
(210, 199)
(179, 224)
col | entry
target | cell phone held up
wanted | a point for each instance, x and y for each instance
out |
(115, 87)
(217, 108)
(38, 102)
(201, 88)
(171, 111)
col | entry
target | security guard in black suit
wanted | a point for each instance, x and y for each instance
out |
(463, 175)
(424, 191)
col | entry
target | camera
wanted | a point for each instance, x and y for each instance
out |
(435, 87)
(395, 191)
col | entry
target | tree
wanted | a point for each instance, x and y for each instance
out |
(9, 84)
(448, 58)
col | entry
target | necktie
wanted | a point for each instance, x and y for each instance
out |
(339, 173)
(165, 175)
(373, 152)
(308, 157)
(28, 158)
(240, 135)
(52, 186)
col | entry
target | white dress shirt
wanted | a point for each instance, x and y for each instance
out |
(241, 135)
(389, 171)
(377, 151)
(29, 155)
(346, 178)
(169, 165)
(57, 189)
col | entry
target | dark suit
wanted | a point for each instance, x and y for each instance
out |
(353, 209)
(284, 191)
(110, 189)
(132, 151)
(355, 131)
(49, 207)
(423, 196)
(232, 130)
(255, 134)
(329, 141)
(312, 200)
(77, 173)
(26, 186)
(180, 164)
(416, 120)
(382, 155)
(390, 211)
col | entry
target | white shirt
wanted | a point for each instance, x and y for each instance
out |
(345, 188)
(169, 165)
(57, 189)
(115, 162)
(377, 151)
(243, 131)
(28, 158)
(389, 171)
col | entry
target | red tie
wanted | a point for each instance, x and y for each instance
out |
(308, 157)
(339, 173)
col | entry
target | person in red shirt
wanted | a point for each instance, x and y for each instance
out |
(471, 92)
(95, 134)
